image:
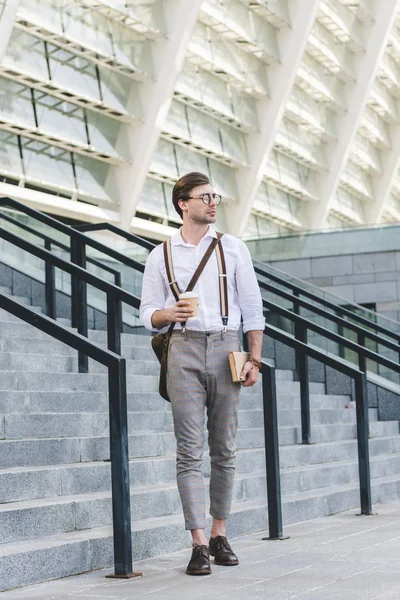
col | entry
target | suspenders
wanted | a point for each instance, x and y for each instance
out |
(223, 286)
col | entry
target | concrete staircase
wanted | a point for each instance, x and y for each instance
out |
(55, 500)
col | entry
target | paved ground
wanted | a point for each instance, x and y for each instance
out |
(340, 557)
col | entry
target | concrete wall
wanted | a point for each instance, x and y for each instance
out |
(362, 278)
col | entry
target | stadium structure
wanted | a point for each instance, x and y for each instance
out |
(291, 107)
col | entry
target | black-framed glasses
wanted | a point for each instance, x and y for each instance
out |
(206, 198)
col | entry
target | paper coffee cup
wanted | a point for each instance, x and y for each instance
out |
(193, 298)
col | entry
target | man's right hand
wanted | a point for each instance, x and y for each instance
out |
(181, 311)
(178, 313)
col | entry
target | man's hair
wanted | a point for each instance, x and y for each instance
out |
(184, 186)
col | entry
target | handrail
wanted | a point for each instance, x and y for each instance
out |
(355, 347)
(259, 268)
(72, 233)
(361, 399)
(339, 309)
(115, 294)
(50, 241)
(131, 237)
(328, 315)
(119, 453)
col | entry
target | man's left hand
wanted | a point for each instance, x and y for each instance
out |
(249, 375)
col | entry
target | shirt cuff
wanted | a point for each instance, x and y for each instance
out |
(145, 317)
(254, 325)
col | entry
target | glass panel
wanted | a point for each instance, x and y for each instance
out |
(119, 91)
(104, 133)
(223, 179)
(205, 131)
(47, 166)
(73, 72)
(152, 198)
(10, 159)
(87, 27)
(176, 123)
(46, 12)
(16, 103)
(129, 48)
(61, 119)
(233, 143)
(91, 177)
(27, 54)
(163, 160)
(190, 161)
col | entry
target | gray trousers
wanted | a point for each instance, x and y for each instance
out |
(199, 378)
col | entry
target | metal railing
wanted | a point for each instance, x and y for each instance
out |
(115, 295)
(270, 414)
(265, 271)
(118, 418)
(304, 351)
(78, 244)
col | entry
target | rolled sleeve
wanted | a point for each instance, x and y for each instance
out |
(248, 290)
(154, 293)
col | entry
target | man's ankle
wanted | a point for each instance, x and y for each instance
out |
(198, 538)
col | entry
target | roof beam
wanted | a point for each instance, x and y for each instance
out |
(156, 96)
(366, 66)
(7, 21)
(281, 77)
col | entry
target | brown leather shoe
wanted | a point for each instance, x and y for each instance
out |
(222, 552)
(199, 564)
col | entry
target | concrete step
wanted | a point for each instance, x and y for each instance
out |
(79, 551)
(28, 401)
(33, 561)
(61, 424)
(337, 432)
(46, 381)
(50, 516)
(51, 451)
(338, 498)
(33, 483)
(49, 346)
(326, 452)
(6, 317)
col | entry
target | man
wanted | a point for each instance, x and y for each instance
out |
(199, 376)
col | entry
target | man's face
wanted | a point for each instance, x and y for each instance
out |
(195, 209)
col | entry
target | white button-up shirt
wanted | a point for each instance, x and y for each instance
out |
(243, 291)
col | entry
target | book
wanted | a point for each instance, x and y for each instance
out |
(237, 361)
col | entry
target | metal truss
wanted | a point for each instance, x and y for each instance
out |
(51, 88)
(45, 137)
(292, 43)
(122, 17)
(25, 23)
(168, 56)
(214, 18)
(367, 66)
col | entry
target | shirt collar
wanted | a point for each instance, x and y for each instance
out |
(177, 239)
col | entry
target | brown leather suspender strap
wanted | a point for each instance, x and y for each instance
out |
(170, 270)
(223, 287)
(223, 284)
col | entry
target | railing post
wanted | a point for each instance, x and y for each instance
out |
(50, 285)
(119, 453)
(272, 453)
(79, 297)
(300, 333)
(362, 443)
(362, 362)
(114, 323)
